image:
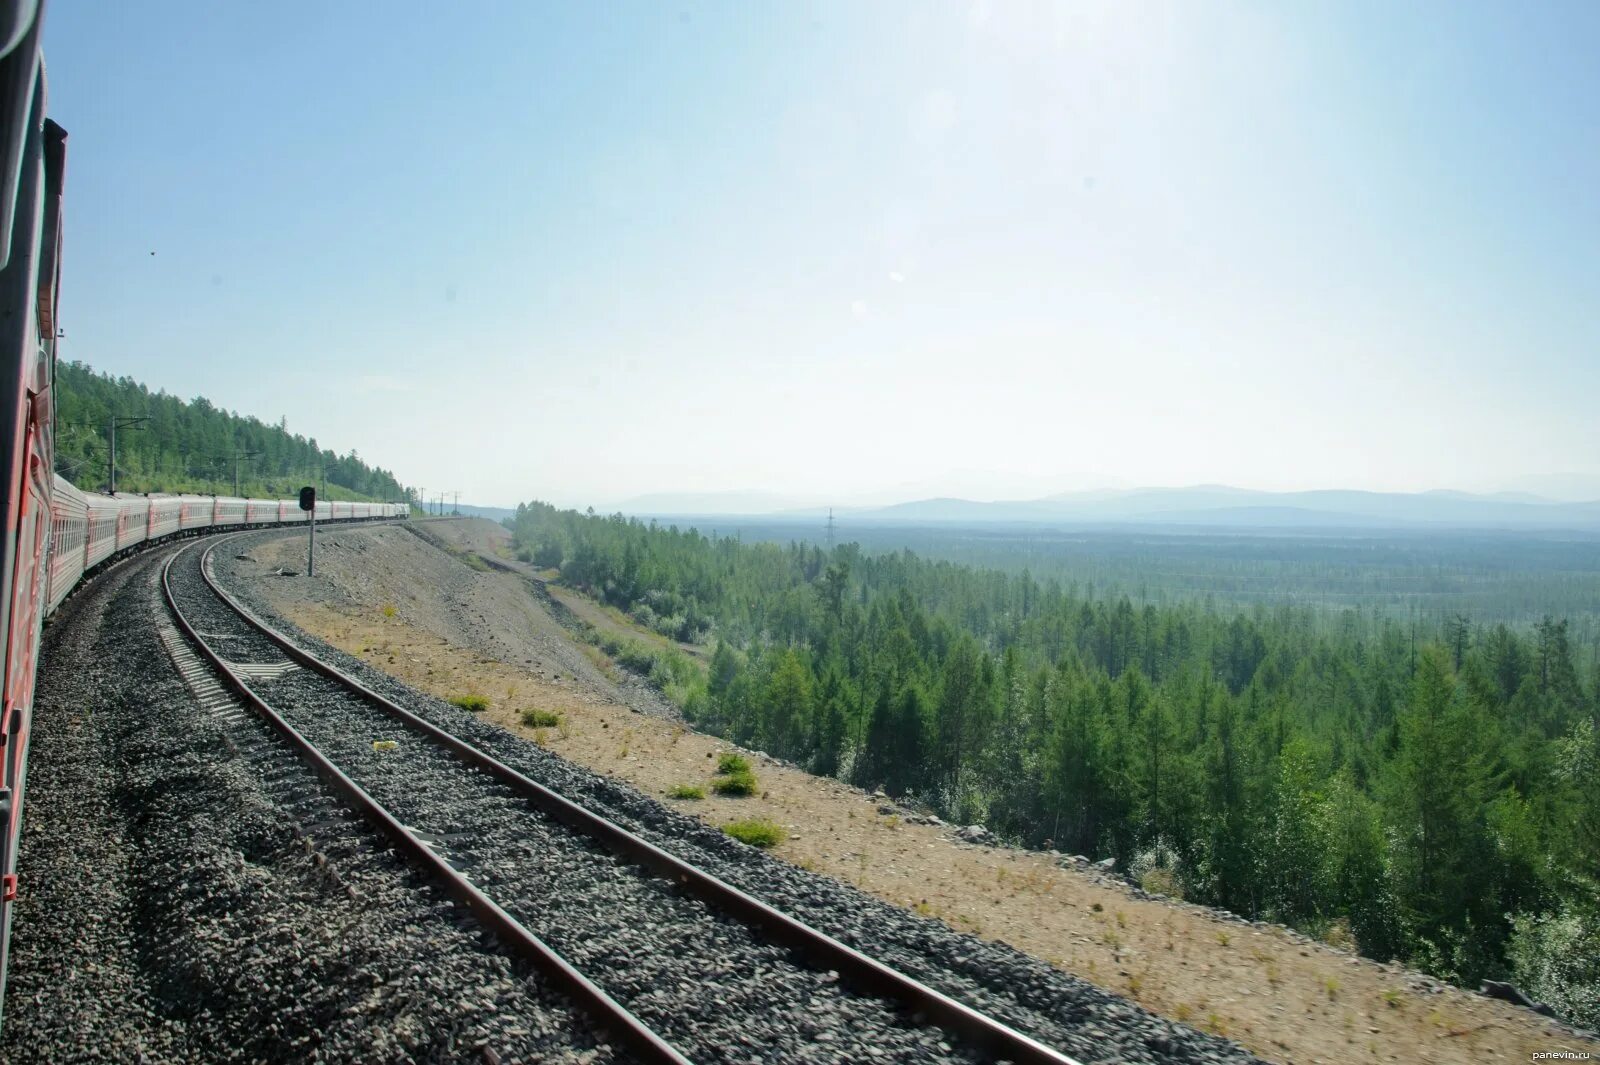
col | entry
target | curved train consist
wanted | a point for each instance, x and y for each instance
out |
(53, 533)
(87, 529)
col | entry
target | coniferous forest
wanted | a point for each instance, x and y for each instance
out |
(1429, 793)
(192, 446)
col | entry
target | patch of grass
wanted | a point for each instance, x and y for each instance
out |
(733, 763)
(734, 776)
(472, 701)
(1393, 998)
(1332, 987)
(1223, 939)
(756, 831)
(686, 791)
(602, 661)
(741, 783)
(470, 560)
(1183, 1013)
(388, 610)
(541, 718)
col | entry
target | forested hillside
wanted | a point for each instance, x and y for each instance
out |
(192, 446)
(1431, 795)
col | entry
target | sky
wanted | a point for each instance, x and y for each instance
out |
(852, 252)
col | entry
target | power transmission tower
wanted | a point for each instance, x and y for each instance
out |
(239, 454)
(119, 423)
(830, 530)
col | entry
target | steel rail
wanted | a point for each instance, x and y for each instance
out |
(612, 1015)
(865, 973)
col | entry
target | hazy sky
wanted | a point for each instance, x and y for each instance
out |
(581, 252)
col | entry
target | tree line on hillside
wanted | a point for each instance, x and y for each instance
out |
(1428, 796)
(192, 446)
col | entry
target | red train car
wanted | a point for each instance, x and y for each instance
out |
(32, 166)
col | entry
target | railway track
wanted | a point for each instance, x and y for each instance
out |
(675, 963)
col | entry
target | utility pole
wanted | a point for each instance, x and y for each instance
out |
(457, 509)
(830, 530)
(122, 423)
(237, 455)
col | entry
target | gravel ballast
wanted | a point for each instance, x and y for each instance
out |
(188, 894)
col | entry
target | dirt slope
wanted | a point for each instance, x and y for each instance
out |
(433, 621)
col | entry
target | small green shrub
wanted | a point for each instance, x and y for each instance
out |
(1337, 934)
(1162, 880)
(474, 702)
(756, 831)
(687, 791)
(733, 763)
(541, 718)
(743, 783)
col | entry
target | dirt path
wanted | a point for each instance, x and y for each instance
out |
(435, 623)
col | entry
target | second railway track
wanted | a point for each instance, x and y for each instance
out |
(675, 964)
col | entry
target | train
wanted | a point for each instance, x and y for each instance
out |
(88, 529)
(55, 534)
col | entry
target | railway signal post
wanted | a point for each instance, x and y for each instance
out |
(308, 503)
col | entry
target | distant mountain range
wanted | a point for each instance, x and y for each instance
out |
(1200, 505)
